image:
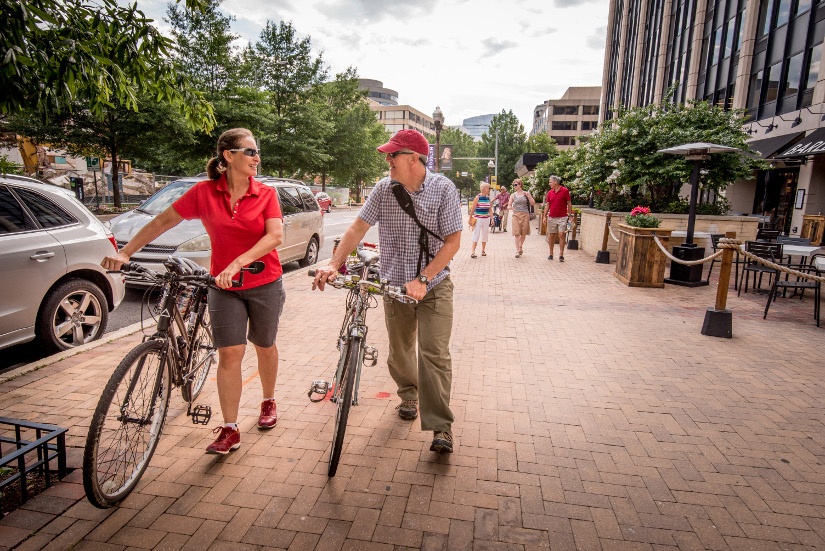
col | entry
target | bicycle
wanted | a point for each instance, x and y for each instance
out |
(363, 284)
(129, 417)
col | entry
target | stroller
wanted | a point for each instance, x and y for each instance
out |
(495, 220)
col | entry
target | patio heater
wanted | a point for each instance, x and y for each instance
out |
(691, 276)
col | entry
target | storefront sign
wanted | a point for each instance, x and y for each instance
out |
(813, 144)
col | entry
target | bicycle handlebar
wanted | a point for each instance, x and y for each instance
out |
(204, 278)
(380, 288)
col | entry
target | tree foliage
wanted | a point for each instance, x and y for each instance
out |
(621, 165)
(511, 141)
(56, 55)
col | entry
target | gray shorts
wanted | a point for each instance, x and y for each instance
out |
(258, 308)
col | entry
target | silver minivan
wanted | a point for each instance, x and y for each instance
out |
(303, 226)
(51, 246)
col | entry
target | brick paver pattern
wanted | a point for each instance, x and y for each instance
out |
(589, 415)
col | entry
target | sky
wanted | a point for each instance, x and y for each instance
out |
(469, 57)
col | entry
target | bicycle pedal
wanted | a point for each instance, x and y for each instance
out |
(201, 415)
(370, 356)
(318, 388)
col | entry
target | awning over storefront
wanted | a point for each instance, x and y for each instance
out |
(769, 146)
(812, 144)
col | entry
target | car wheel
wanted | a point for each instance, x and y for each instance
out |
(312, 254)
(73, 313)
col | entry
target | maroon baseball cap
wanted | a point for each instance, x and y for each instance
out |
(407, 139)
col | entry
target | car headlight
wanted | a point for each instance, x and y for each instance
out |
(199, 243)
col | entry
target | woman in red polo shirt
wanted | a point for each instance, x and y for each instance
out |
(244, 222)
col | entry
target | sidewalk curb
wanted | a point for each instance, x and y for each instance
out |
(54, 358)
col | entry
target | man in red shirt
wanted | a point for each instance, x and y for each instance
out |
(557, 208)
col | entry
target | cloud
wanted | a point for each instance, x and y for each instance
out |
(494, 46)
(368, 11)
(538, 33)
(596, 40)
(570, 3)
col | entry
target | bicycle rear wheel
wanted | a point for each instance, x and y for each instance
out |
(203, 356)
(343, 396)
(126, 425)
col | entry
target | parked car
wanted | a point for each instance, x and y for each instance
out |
(324, 200)
(51, 246)
(303, 226)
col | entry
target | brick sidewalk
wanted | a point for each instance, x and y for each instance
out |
(589, 415)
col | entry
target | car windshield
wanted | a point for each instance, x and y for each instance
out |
(163, 199)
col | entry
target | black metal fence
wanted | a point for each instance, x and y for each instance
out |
(49, 444)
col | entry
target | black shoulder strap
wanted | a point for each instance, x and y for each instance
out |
(406, 204)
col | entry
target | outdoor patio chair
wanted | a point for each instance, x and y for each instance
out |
(765, 234)
(737, 261)
(768, 251)
(800, 284)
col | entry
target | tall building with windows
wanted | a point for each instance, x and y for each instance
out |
(377, 93)
(575, 114)
(384, 103)
(763, 56)
(476, 126)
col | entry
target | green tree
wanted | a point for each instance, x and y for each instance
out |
(621, 163)
(57, 55)
(563, 165)
(282, 64)
(509, 132)
(541, 143)
(463, 146)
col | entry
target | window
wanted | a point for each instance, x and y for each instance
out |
(731, 27)
(59, 160)
(393, 114)
(590, 109)
(765, 12)
(564, 140)
(813, 66)
(565, 109)
(739, 35)
(716, 46)
(794, 75)
(754, 90)
(12, 219)
(290, 201)
(309, 201)
(394, 127)
(773, 77)
(564, 125)
(803, 6)
(784, 12)
(589, 125)
(47, 213)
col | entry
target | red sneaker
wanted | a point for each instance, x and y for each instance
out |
(229, 439)
(269, 415)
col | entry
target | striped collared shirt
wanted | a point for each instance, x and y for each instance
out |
(437, 206)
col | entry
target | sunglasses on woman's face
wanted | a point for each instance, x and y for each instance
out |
(248, 151)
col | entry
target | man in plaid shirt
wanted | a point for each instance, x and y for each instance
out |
(424, 327)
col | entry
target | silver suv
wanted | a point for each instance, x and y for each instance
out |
(303, 226)
(50, 251)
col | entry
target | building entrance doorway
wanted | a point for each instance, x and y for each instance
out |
(775, 190)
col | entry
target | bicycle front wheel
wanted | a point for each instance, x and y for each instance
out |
(203, 356)
(126, 425)
(343, 396)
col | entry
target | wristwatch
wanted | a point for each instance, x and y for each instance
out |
(423, 279)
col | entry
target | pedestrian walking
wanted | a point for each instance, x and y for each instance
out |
(558, 207)
(244, 222)
(503, 199)
(520, 202)
(416, 252)
(482, 209)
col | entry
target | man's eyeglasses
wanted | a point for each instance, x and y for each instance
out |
(248, 151)
(395, 154)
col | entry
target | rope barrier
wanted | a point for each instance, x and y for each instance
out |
(736, 245)
(610, 229)
(717, 254)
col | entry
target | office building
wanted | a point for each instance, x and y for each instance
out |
(565, 119)
(384, 103)
(476, 126)
(376, 91)
(763, 56)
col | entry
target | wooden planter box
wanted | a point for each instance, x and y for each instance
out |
(640, 262)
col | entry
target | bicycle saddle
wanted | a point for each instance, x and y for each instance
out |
(368, 257)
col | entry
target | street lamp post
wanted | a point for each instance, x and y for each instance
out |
(492, 167)
(438, 121)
